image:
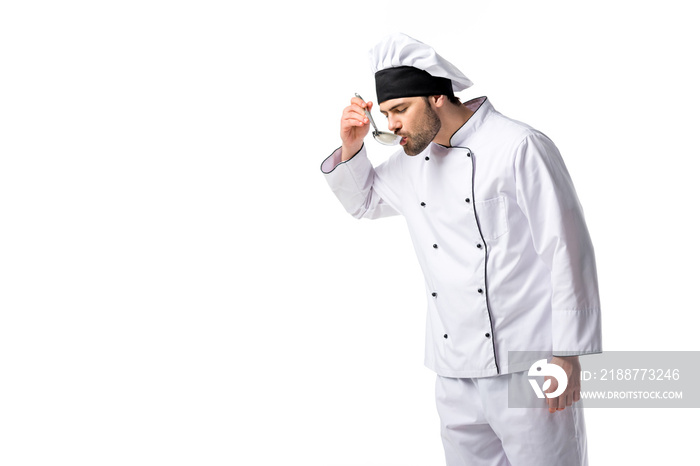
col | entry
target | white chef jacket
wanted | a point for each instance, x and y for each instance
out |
(500, 237)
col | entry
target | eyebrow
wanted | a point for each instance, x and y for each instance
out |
(392, 108)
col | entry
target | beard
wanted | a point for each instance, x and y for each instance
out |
(426, 129)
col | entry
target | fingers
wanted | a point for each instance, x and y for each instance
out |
(354, 124)
(358, 105)
(361, 103)
(357, 101)
(566, 399)
(552, 403)
(572, 392)
(558, 403)
(354, 116)
(355, 113)
(562, 401)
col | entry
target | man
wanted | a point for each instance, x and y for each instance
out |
(502, 243)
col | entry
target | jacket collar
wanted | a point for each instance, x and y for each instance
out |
(482, 108)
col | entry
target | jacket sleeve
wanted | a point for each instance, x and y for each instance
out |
(546, 195)
(359, 187)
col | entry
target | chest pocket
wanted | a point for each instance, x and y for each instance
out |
(493, 217)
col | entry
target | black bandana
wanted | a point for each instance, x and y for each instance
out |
(407, 81)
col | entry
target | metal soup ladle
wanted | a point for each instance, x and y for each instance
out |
(383, 137)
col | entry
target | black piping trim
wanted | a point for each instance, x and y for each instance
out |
(486, 262)
(339, 163)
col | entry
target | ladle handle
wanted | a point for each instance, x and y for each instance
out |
(369, 115)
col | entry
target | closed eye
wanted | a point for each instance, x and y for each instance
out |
(386, 115)
(394, 109)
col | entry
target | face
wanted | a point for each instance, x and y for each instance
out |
(414, 119)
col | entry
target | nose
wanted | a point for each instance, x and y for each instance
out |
(394, 124)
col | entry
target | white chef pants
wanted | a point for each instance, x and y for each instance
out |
(479, 429)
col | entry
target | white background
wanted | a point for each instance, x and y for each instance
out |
(179, 286)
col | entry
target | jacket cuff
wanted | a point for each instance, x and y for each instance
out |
(576, 333)
(334, 159)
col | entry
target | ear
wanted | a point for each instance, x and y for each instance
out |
(438, 100)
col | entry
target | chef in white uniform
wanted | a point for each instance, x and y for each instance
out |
(503, 245)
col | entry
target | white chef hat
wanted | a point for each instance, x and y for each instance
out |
(406, 67)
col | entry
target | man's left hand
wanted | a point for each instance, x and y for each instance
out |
(572, 394)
